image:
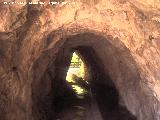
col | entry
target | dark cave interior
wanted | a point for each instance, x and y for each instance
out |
(54, 98)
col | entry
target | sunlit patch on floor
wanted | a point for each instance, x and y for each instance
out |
(78, 89)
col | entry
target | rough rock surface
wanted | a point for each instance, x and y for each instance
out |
(125, 34)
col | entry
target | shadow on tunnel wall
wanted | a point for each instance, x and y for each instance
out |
(102, 87)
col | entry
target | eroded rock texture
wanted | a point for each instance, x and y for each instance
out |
(124, 34)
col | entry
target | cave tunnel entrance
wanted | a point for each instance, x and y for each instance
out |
(76, 74)
(55, 99)
(99, 98)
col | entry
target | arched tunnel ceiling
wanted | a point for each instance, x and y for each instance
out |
(129, 31)
(117, 61)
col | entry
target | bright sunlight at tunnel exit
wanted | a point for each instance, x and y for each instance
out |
(76, 71)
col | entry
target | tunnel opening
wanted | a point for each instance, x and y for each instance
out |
(101, 96)
(56, 99)
(76, 74)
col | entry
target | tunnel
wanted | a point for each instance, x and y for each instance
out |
(112, 86)
(117, 40)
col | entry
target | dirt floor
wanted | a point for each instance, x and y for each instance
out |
(85, 107)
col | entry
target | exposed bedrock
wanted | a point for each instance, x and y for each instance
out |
(119, 40)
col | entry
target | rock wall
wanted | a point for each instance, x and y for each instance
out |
(125, 34)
